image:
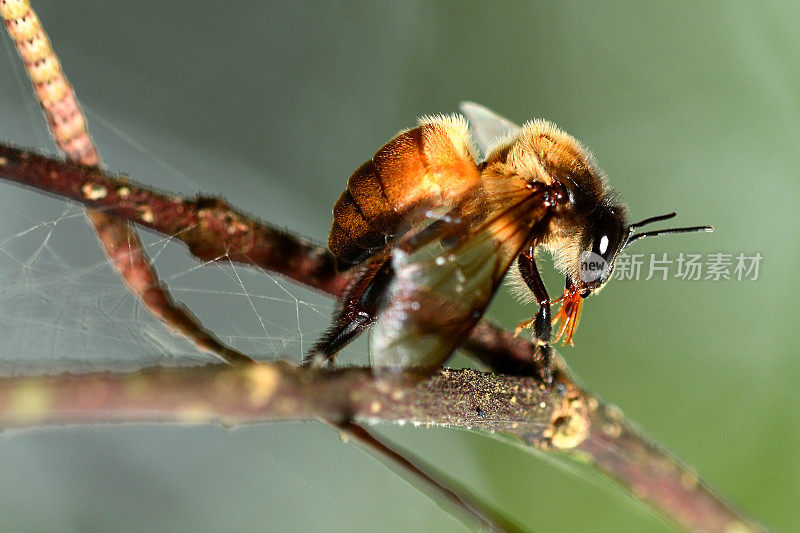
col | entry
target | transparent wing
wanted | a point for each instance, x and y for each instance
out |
(444, 282)
(486, 125)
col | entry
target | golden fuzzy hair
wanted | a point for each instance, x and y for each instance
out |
(457, 129)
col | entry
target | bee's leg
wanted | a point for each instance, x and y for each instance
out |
(542, 329)
(358, 311)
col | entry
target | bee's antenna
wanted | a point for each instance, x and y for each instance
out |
(650, 220)
(655, 233)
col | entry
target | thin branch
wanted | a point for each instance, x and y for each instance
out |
(54, 93)
(619, 449)
(68, 127)
(410, 466)
(562, 418)
(519, 406)
(208, 226)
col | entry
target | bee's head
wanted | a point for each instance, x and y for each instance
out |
(589, 260)
(586, 226)
(589, 224)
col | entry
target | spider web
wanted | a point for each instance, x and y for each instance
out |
(64, 308)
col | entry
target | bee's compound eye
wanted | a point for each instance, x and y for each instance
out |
(607, 235)
(606, 229)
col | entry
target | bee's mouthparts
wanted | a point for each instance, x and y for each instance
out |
(569, 313)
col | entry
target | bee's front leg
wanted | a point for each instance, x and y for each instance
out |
(542, 329)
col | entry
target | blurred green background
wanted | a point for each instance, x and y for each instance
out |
(690, 107)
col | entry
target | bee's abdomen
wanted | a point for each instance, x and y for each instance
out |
(423, 168)
(353, 236)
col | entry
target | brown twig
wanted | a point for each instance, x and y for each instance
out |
(563, 418)
(208, 226)
(619, 449)
(518, 406)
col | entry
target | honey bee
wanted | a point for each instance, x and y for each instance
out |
(434, 229)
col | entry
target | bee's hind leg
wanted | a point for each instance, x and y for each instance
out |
(358, 311)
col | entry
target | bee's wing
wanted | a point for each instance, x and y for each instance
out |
(486, 125)
(443, 285)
